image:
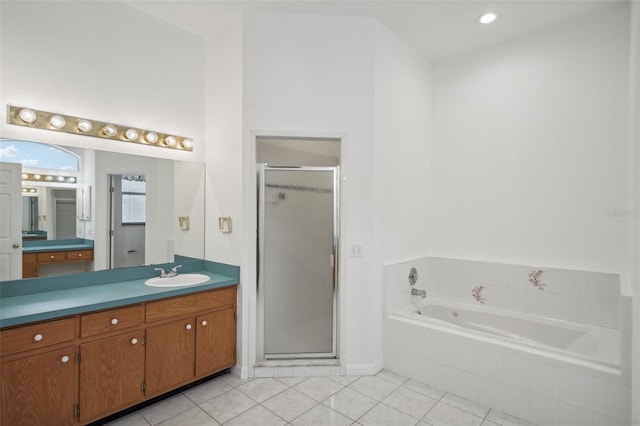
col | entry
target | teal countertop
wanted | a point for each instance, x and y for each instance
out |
(39, 246)
(43, 302)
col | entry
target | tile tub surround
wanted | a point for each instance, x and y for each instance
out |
(592, 298)
(384, 399)
(539, 389)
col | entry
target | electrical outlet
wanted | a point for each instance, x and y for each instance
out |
(355, 250)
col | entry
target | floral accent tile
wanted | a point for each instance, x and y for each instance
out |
(476, 292)
(535, 278)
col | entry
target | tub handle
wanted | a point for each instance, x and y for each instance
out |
(413, 276)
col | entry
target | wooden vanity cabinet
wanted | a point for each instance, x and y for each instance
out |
(38, 374)
(215, 341)
(111, 375)
(200, 343)
(170, 355)
(111, 367)
(31, 261)
(40, 389)
(79, 369)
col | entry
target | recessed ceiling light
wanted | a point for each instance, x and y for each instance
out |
(487, 18)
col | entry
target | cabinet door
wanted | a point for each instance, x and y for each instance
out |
(215, 341)
(170, 355)
(111, 374)
(40, 390)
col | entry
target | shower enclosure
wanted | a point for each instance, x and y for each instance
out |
(297, 261)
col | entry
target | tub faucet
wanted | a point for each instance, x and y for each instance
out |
(418, 292)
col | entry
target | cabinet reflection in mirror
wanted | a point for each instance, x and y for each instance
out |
(58, 209)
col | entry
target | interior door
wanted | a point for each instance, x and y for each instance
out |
(10, 221)
(298, 273)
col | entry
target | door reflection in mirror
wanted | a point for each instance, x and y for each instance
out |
(127, 207)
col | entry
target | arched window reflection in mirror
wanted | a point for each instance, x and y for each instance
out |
(49, 183)
(38, 156)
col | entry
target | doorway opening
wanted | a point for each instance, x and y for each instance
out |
(298, 241)
(127, 220)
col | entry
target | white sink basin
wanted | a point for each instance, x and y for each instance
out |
(181, 280)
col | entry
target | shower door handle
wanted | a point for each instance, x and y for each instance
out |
(332, 261)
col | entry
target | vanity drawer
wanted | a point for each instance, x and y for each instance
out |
(51, 256)
(80, 255)
(111, 320)
(29, 258)
(37, 336)
(184, 305)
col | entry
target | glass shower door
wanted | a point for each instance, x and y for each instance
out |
(298, 240)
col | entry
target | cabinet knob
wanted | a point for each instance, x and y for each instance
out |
(16, 245)
(64, 359)
(204, 323)
(114, 321)
(188, 326)
(134, 341)
(52, 257)
(37, 337)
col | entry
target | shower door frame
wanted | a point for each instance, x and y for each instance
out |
(261, 168)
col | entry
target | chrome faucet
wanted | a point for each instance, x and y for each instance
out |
(172, 272)
(418, 292)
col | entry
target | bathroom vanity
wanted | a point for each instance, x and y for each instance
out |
(100, 349)
(35, 254)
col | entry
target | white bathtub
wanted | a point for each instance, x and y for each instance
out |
(573, 342)
(510, 355)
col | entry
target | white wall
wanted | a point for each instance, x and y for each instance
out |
(403, 138)
(530, 148)
(106, 61)
(633, 257)
(313, 76)
(354, 79)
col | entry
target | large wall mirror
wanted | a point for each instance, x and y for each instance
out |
(118, 210)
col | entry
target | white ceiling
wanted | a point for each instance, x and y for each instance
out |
(438, 28)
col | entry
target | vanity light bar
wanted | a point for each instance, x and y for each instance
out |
(29, 190)
(44, 120)
(35, 177)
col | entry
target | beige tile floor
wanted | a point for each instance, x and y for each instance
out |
(385, 399)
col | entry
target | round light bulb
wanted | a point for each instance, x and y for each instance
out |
(27, 115)
(60, 178)
(36, 177)
(131, 134)
(109, 130)
(25, 189)
(72, 179)
(487, 18)
(187, 144)
(25, 176)
(170, 141)
(48, 178)
(32, 190)
(57, 121)
(84, 126)
(151, 137)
